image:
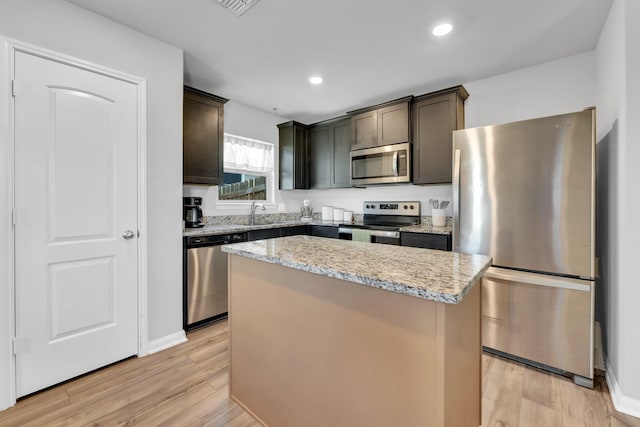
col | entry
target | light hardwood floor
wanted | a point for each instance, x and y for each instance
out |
(188, 385)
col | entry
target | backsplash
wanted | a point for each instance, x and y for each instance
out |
(265, 218)
(270, 218)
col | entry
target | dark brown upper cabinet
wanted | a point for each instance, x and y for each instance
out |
(294, 156)
(381, 124)
(330, 146)
(435, 116)
(202, 137)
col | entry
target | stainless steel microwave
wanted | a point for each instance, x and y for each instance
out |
(387, 164)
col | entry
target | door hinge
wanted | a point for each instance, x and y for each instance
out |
(14, 346)
(13, 217)
(13, 88)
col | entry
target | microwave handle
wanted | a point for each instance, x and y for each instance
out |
(395, 163)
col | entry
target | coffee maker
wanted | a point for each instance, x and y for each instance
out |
(191, 212)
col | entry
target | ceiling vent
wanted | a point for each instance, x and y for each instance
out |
(237, 7)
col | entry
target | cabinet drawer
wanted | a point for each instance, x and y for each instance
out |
(269, 233)
(294, 231)
(426, 241)
(324, 231)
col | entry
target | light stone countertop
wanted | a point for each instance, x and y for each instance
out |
(427, 228)
(429, 274)
(238, 228)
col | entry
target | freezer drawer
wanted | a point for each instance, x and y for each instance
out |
(545, 319)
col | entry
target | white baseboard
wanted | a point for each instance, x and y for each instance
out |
(167, 341)
(622, 403)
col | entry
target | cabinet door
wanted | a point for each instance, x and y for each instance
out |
(434, 122)
(341, 158)
(203, 122)
(286, 160)
(393, 124)
(301, 158)
(268, 233)
(426, 241)
(324, 231)
(364, 130)
(321, 157)
(294, 231)
(293, 157)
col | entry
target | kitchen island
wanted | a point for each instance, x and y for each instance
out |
(332, 332)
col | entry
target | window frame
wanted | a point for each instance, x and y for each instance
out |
(269, 203)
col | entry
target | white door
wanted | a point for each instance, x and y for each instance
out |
(75, 196)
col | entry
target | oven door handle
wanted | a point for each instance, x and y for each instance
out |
(375, 233)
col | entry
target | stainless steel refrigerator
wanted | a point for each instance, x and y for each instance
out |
(524, 193)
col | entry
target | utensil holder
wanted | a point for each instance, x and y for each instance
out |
(438, 217)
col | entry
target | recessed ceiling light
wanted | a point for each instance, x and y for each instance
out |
(315, 80)
(442, 29)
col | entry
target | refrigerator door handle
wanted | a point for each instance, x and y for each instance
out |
(537, 279)
(456, 199)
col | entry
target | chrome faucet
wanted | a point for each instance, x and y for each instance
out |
(252, 216)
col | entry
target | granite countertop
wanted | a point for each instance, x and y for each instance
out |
(427, 228)
(429, 274)
(238, 228)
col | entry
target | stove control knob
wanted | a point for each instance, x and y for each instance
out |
(412, 206)
(406, 207)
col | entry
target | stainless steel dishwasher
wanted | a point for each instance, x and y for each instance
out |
(206, 281)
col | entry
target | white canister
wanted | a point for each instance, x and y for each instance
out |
(338, 213)
(327, 213)
(438, 217)
(347, 217)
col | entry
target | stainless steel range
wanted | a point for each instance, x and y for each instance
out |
(382, 221)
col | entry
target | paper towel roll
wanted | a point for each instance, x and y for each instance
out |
(338, 214)
(327, 213)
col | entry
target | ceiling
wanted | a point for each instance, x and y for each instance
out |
(368, 51)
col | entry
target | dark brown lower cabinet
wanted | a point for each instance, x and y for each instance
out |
(294, 231)
(270, 233)
(323, 231)
(426, 240)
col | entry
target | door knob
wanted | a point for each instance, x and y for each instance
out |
(128, 234)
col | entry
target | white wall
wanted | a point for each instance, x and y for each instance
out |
(68, 29)
(618, 67)
(555, 87)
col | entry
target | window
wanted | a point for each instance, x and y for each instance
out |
(248, 169)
